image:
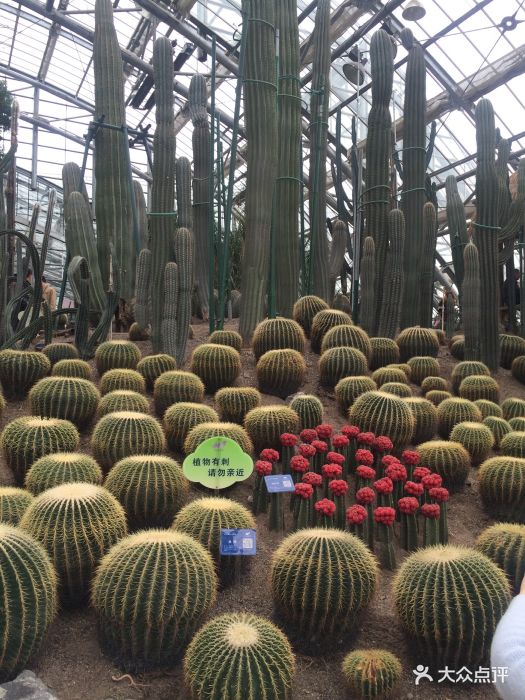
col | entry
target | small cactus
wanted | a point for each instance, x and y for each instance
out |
(123, 434)
(511, 347)
(174, 386)
(513, 444)
(477, 387)
(79, 369)
(182, 417)
(60, 351)
(437, 397)
(417, 342)
(305, 309)
(448, 459)
(337, 363)
(116, 354)
(502, 488)
(383, 375)
(425, 419)
(499, 428)
(203, 431)
(309, 409)
(397, 389)
(122, 380)
(322, 322)
(122, 400)
(20, 369)
(467, 368)
(266, 424)
(216, 365)
(13, 504)
(371, 673)
(457, 349)
(281, 372)
(150, 488)
(454, 411)
(383, 414)
(504, 544)
(62, 468)
(137, 333)
(489, 408)
(152, 366)
(347, 336)
(433, 384)
(518, 368)
(348, 389)
(402, 366)
(476, 438)
(65, 397)
(513, 408)
(233, 403)
(423, 367)
(277, 334)
(230, 338)
(384, 352)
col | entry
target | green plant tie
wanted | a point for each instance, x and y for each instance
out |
(260, 82)
(289, 177)
(162, 213)
(411, 148)
(412, 189)
(490, 228)
(262, 21)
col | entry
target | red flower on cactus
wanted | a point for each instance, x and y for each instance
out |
(430, 510)
(350, 431)
(338, 487)
(431, 481)
(335, 458)
(308, 434)
(288, 439)
(340, 441)
(387, 460)
(366, 438)
(324, 431)
(364, 457)
(365, 495)
(384, 515)
(365, 472)
(439, 494)
(270, 455)
(307, 450)
(304, 490)
(331, 471)
(263, 468)
(396, 472)
(356, 515)
(414, 488)
(408, 505)
(299, 464)
(383, 443)
(410, 457)
(320, 445)
(325, 507)
(420, 472)
(312, 478)
(384, 485)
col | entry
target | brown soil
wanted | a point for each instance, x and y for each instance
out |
(73, 666)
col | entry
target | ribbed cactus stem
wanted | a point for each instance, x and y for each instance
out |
(428, 251)
(337, 252)
(142, 214)
(457, 227)
(471, 296)
(183, 180)
(184, 259)
(71, 178)
(368, 272)
(169, 316)
(409, 532)
(142, 292)
(260, 496)
(391, 307)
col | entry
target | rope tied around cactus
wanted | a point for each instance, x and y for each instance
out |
(260, 82)
(262, 21)
(289, 177)
(162, 213)
(491, 228)
(411, 148)
(412, 189)
(374, 201)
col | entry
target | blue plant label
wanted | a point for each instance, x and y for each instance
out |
(238, 543)
(279, 483)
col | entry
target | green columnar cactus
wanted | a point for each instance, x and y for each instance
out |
(281, 372)
(203, 431)
(423, 367)
(518, 368)
(76, 524)
(489, 408)
(437, 396)
(236, 653)
(504, 544)
(502, 488)
(389, 374)
(305, 309)
(123, 434)
(151, 489)
(347, 336)
(470, 296)
(25, 439)
(266, 424)
(384, 352)
(204, 519)
(309, 409)
(13, 504)
(122, 400)
(116, 354)
(474, 591)
(20, 369)
(434, 384)
(425, 419)
(197, 102)
(499, 428)
(457, 226)
(183, 189)
(163, 185)
(467, 368)
(513, 444)
(184, 260)
(122, 380)
(390, 312)
(417, 342)
(457, 349)
(476, 438)
(383, 414)
(60, 351)
(169, 324)
(114, 193)
(260, 117)
(337, 363)
(517, 423)
(322, 322)
(368, 286)
(512, 346)
(397, 389)
(376, 198)
(152, 366)
(475, 387)
(371, 673)
(142, 214)
(321, 579)
(147, 627)
(216, 365)
(62, 468)
(430, 228)
(448, 459)
(454, 411)
(277, 334)
(29, 591)
(64, 397)
(513, 408)
(143, 289)
(174, 386)
(231, 338)
(233, 403)
(71, 176)
(348, 389)
(486, 233)
(182, 417)
(337, 258)
(72, 368)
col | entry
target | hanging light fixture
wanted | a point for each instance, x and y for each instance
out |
(354, 73)
(414, 11)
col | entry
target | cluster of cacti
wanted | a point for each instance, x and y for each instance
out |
(499, 428)
(13, 504)
(504, 544)
(182, 417)
(489, 408)
(371, 673)
(476, 438)
(502, 488)
(234, 654)
(467, 368)
(281, 372)
(347, 336)
(76, 523)
(152, 366)
(337, 363)
(433, 384)
(151, 489)
(470, 287)
(448, 459)
(474, 593)
(20, 369)
(25, 439)
(383, 414)
(453, 411)
(457, 349)
(64, 397)
(423, 367)
(475, 387)
(62, 468)
(389, 374)
(348, 389)
(511, 347)
(321, 579)
(125, 433)
(122, 400)
(390, 311)
(309, 409)
(60, 351)
(367, 309)
(137, 333)
(147, 627)
(216, 365)
(384, 352)
(417, 342)
(122, 380)
(277, 334)
(513, 408)
(231, 338)
(233, 403)
(425, 419)
(79, 369)
(174, 386)
(29, 591)
(306, 308)
(116, 354)
(518, 368)
(324, 321)
(513, 444)
(266, 424)
(397, 389)
(204, 431)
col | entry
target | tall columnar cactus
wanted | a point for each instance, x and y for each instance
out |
(71, 177)
(184, 260)
(413, 195)
(457, 227)
(113, 193)
(143, 289)
(260, 115)
(183, 182)
(319, 104)
(368, 290)
(426, 265)
(390, 311)
(163, 186)
(142, 214)
(471, 293)
(376, 198)
(486, 233)
(168, 341)
(337, 253)
(197, 101)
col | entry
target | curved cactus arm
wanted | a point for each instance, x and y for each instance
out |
(457, 227)
(71, 179)
(35, 263)
(471, 310)
(368, 266)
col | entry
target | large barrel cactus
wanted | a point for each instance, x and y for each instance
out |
(125, 433)
(216, 365)
(266, 424)
(233, 403)
(20, 369)
(182, 417)
(502, 488)
(504, 544)
(62, 468)
(13, 504)
(63, 397)
(277, 334)
(383, 414)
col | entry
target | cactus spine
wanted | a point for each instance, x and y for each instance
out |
(471, 291)
(184, 259)
(142, 292)
(391, 306)
(427, 265)
(368, 272)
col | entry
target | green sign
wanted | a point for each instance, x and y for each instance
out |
(217, 463)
